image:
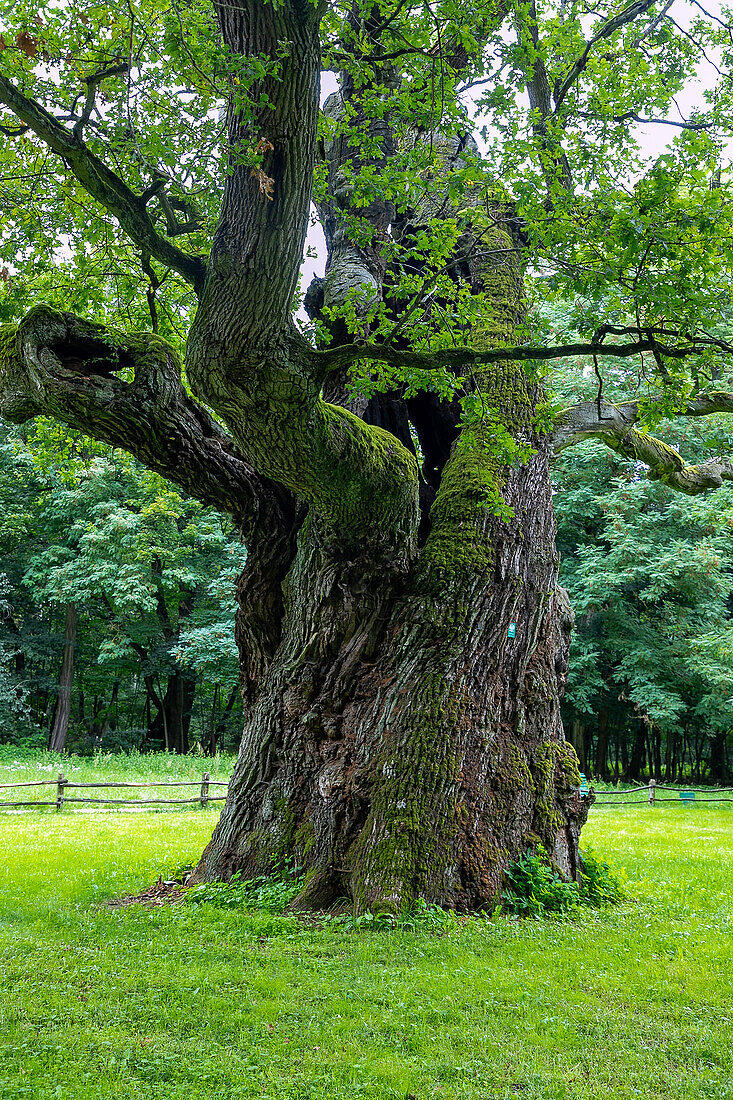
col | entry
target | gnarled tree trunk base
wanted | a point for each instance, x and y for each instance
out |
(406, 742)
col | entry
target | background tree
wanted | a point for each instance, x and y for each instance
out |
(402, 636)
(650, 577)
(150, 579)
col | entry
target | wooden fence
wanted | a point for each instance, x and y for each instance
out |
(62, 785)
(686, 795)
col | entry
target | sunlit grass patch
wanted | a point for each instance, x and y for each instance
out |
(200, 1001)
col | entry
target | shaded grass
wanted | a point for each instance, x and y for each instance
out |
(198, 1001)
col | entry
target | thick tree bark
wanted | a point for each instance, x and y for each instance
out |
(403, 743)
(406, 740)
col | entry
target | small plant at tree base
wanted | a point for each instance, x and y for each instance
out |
(534, 886)
(271, 893)
(601, 884)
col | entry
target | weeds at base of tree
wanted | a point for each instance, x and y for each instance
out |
(535, 888)
(271, 893)
(274, 893)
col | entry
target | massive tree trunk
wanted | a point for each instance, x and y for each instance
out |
(405, 739)
(403, 743)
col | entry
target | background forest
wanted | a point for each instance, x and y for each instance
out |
(117, 593)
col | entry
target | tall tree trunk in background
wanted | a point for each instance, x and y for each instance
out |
(112, 705)
(59, 729)
(211, 747)
(577, 740)
(177, 708)
(221, 724)
(638, 752)
(172, 720)
(600, 768)
(719, 772)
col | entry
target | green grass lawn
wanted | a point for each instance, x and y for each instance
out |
(198, 1002)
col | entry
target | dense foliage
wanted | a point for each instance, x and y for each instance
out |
(150, 576)
(650, 578)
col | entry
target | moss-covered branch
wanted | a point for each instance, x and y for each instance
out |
(58, 365)
(615, 425)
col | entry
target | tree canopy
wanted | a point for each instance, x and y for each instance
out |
(101, 106)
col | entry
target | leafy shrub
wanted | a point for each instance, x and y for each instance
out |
(271, 893)
(600, 884)
(533, 886)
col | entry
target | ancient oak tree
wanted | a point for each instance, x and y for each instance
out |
(403, 638)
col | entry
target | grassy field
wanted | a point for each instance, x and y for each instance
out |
(197, 1002)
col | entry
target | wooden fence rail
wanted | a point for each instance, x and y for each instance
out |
(62, 785)
(686, 795)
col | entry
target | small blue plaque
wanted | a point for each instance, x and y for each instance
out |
(511, 630)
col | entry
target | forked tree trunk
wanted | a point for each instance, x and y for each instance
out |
(405, 740)
(403, 743)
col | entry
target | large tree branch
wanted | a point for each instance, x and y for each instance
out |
(615, 425)
(58, 365)
(102, 184)
(555, 164)
(462, 359)
(363, 141)
(257, 250)
(627, 15)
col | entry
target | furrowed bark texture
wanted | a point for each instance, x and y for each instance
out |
(403, 743)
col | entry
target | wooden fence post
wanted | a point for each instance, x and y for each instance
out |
(652, 791)
(205, 788)
(60, 784)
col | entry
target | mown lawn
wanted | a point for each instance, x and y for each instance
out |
(197, 1002)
